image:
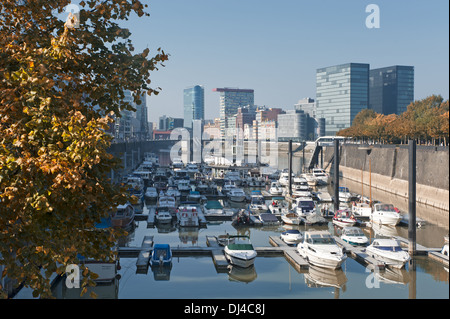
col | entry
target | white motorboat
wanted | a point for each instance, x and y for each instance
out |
(344, 218)
(276, 188)
(174, 192)
(151, 194)
(361, 209)
(240, 253)
(291, 218)
(304, 206)
(167, 201)
(214, 208)
(123, 216)
(301, 193)
(284, 178)
(389, 252)
(192, 168)
(233, 177)
(163, 215)
(354, 236)
(237, 195)
(225, 239)
(177, 164)
(202, 187)
(227, 186)
(194, 196)
(344, 194)
(184, 186)
(310, 179)
(278, 207)
(385, 214)
(321, 175)
(188, 216)
(291, 236)
(257, 203)
(300, 184)
(320, 249)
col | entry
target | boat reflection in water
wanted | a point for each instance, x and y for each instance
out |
(393, 276)
(105, 290)
(161, 261)
(325, 277)
(241, 274)
(161, 272)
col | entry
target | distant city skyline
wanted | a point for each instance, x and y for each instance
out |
(275, 48)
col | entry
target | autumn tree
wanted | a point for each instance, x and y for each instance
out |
(59, 83)
(425, 120)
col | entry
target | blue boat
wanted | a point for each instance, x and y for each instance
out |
(161, 255)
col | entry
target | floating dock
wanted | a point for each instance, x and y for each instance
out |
(291, 254)
(358, 254)
(278, 248)
(144, 255)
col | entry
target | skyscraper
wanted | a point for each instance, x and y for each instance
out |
(342, 91)
(132, 125)
(230, 100)
(391, 89)
(194, 104)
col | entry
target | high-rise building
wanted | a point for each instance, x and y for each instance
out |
(391, 89)
(293, 125)
(194, 104)
(342, 91)
(245, 115)
(307, 105)
(132, 125)
(230, 100)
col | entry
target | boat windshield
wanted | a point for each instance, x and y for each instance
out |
(386, 207)
(258, 200)
(390, 248)
(306, 204)
(354, 232)
(321, 240)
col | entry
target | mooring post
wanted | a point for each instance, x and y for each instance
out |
(412, 197)
(290, 168)
(303, 156)
(336, 175)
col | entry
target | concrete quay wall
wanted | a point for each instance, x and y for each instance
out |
(389, 170)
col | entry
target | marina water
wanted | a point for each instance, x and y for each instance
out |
(196, 277)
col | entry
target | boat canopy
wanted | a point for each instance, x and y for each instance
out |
(213, 204)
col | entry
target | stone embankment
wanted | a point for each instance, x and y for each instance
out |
(386, 168)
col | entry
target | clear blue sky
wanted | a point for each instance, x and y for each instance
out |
(275, 47)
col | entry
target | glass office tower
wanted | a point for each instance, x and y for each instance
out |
(230, 100)
(194, 104)
(391, 89)
(342, 91)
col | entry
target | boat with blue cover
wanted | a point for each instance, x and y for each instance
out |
(161, 255)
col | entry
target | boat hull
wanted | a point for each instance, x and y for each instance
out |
(238, 198)
(291, 239)
(356, 241)
(391, 260)
(344, 222)
(390, 220)
(291, 220)
(322, 260)
(244, 259)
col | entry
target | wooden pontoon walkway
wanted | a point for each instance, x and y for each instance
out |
(277, 248)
